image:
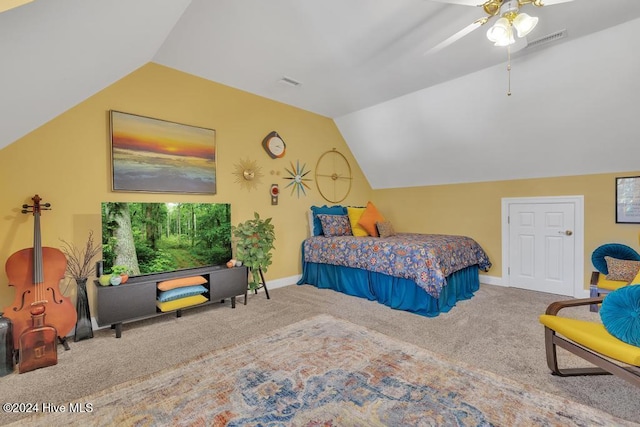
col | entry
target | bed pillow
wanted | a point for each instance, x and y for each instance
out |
(179, 303)
(326, 210)
(385, 229)
(620, 269)
(335, 225)
(181, 282)
(369, 218)
(620, 314)
(182, 292)
(354, 216)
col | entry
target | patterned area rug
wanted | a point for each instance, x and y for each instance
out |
(326, 372)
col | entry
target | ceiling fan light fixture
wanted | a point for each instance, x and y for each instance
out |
(506, 40)
(500, 31)
(524, 24)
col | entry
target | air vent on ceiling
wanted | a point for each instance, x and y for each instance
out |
(550, 38)
(289, 81)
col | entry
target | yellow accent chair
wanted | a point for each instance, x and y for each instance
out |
(590, 341)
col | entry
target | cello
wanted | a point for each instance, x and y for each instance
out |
(36, 273)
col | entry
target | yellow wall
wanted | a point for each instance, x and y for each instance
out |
(67, 162)
(475, 210)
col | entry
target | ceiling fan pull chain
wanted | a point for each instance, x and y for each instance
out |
(509, 69)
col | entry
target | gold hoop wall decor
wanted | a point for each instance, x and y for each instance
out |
(333, 176)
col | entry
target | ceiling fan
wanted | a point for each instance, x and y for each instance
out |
(510, 18)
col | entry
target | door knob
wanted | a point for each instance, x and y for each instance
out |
(566, 232)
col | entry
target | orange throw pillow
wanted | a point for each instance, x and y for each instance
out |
(369, 218)
(181, 282)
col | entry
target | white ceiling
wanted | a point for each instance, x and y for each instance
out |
(348, 55)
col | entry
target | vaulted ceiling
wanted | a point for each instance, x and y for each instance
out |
(356, 61)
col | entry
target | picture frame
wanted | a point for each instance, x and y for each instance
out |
(628, 200)
(160, 156)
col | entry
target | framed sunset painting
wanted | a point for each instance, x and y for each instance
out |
(159, 156)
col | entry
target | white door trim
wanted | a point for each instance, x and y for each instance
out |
(578, 202)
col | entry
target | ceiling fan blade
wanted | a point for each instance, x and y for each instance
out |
(457, 36)
(463, 2)
(552, 2)
(466, 2)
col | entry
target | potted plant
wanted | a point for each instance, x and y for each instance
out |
(122, 271)
(254, 242)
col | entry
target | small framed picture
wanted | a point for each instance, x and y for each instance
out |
(628, 200)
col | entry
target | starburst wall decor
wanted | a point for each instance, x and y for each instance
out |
(297, 178)
(248, 174)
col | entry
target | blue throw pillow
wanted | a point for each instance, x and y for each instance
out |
(620, 314)
(185, 291)
(326, 210)
(614, 250)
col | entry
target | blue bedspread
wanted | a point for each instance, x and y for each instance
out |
(427, 259)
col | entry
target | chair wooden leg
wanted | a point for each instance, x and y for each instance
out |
(593, 290)
(551, 340)
(593, 293)
(605, 366)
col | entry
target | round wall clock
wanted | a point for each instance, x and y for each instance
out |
(274, 145)
(333, 176)
(298, 178)
(248, 174)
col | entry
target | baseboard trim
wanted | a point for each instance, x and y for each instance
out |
(284, 281)
(497, 281)
(491, 280)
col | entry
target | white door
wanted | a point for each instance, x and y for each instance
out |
(542, 247)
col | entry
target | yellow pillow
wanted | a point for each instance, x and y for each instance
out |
(179, 303)
(635, 280)
(369, 218)
(354, 216)
(181, 282)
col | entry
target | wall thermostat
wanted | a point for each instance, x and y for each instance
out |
(274, 194)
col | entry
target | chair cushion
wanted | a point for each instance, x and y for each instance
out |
(620, 314)
(610, 285)
(614, 250)
(593, 336)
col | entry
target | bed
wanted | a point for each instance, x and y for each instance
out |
(424, 274)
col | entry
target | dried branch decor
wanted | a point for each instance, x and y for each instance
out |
(79, 261)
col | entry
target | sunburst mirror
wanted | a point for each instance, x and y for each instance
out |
(248, 174)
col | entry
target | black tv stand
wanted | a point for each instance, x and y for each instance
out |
(136, 299)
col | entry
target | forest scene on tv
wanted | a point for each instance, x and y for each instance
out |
(159, 237)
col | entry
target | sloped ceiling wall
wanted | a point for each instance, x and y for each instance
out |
(574, 110)
(56, 54)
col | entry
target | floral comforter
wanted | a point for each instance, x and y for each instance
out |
(426, 259)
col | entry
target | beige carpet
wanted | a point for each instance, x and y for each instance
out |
(496, 331)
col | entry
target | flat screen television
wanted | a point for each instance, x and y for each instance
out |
(160, 237)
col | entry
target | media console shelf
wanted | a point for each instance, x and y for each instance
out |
(136, 299)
